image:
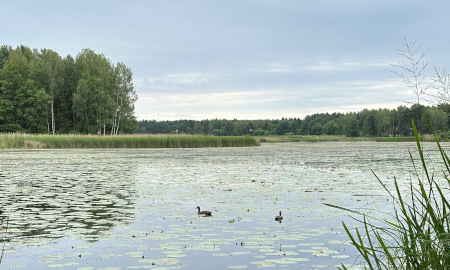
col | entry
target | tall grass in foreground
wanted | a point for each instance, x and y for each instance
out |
(417, 235)
(17, 140)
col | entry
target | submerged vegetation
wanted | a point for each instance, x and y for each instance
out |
(19, 140)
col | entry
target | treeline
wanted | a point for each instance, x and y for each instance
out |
(367, 123)
(41, 92)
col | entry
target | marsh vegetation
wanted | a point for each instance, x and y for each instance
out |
(30, 141)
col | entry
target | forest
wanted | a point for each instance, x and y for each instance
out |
(41, 92)
(366, 123)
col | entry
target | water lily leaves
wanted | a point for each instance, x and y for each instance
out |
(135, 208)
(60, 265)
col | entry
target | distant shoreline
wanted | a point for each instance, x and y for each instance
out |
(336, 138)
(46, 141)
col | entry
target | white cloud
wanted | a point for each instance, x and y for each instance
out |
(272, 103)
(327, 65)
(181, 79)
(224, 99)
(323, 66)
(273, 68)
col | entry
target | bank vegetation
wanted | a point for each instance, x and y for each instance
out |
(44, 141)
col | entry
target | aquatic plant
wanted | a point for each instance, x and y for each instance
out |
(417, 234)
(20, 140)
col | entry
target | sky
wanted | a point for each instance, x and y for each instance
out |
(242, 59)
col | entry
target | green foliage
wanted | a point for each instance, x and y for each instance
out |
(41, 92)
(380, 123)
(351, 129)
(417, 234)
(330, 128)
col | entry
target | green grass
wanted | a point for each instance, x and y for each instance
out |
(19, 140)
(416, 235)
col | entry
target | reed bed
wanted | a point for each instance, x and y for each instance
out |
(29, 141)
(416, 234)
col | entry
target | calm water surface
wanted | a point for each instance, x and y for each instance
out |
(135, 208)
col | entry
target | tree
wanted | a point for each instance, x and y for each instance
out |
(229, 128)
(316, 129)
(438, 118)
(52, 71)
(93, 100)
(4, 54)
(351, 125)
(105, 95)
(199, 128)
(87, 95)
(368, 127)
(240, 128)
(65, 114)
(330, 128)
(11, 81)
(22, 102)
(282, 128)
(124, 96)
(382, 123)
(32, 104)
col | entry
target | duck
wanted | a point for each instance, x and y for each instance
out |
(205, 213)
(279, 218)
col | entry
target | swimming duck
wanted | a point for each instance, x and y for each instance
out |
(279, 218)
(205, 213)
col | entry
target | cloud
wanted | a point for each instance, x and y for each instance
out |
(181, 79)
(273, 68)
(346, 65)
(213, 100)
(273, 102)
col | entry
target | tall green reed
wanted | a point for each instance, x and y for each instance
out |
(417, 233)
(17, 140)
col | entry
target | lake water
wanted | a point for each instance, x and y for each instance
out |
(136, 208)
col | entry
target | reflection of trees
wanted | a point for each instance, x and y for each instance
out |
(54, 194)
(4, 230)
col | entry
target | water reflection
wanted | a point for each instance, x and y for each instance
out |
(52, 194)
(123, 208)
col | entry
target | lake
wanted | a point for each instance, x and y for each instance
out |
(136, 208)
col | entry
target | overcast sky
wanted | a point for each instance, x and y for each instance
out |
(244, 59)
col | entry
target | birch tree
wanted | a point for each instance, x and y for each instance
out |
(52, 69)
(124, 96)
(92, 99)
